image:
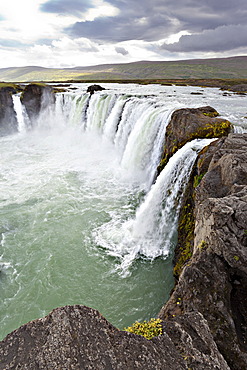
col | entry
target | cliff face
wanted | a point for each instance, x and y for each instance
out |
(8, 120)
(37, 97)
(78, 337)
(213, 282)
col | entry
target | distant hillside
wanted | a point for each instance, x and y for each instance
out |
(217, 68)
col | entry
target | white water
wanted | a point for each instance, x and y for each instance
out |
(78, 221)
(21, 115)
(135, 126)
(152, 231)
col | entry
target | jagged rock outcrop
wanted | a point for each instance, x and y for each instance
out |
(213, 282)
(190, 123)
(8, 120)
(37, 97)
(78, 337)
(91, 89)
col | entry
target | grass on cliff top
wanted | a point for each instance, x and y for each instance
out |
(8, 84)
(216, 68)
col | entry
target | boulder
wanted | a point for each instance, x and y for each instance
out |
(190, 123)
(78, 337)
(91, 89)
(37, 97)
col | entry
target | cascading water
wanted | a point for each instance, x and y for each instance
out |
(135, 126)
(22, 117)
(152, 230)
(75, 208)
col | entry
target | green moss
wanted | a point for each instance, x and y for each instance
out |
(197, 179)
(147, 329)
(211, 114)
(10, 86)
(202, 245)
(186, 231)
(213, 130)
(185, 255)
(236, 258)
(163, 163)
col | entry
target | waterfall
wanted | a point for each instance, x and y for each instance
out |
(78, 194)
(136, 126)
(152, 230)
(21, 114)
(146, 140)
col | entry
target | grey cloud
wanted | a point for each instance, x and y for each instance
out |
(121, 50)
(119, 28)
(153, 20)
(74, 7)
(223, 38)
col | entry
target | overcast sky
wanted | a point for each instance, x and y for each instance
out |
(68, 33)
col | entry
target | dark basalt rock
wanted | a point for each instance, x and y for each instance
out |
(78, 337)
(37, 97)
(8, 120)
(91, 89)
(214, 279)
(189, 123)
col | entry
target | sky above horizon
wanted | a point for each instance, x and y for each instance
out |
(69, 33)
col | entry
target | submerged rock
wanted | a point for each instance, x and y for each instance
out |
(37, 97)
(214, 279)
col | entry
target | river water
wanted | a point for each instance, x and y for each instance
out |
(80, 222)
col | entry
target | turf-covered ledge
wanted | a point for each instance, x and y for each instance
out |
(190, 123)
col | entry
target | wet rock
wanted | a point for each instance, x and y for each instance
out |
(8, 120)
(91, 89)
(189, 123)
(78, 337)
(37, 97)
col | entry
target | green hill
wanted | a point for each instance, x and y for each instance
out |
(217, 68)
